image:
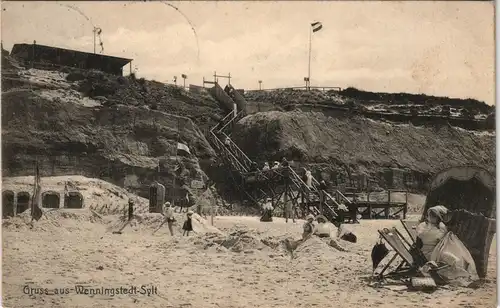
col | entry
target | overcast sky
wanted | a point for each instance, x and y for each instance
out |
(439, 48)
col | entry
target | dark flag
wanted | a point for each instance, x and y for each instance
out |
(316, 26)
(36, 209)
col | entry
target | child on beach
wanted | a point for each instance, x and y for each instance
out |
(188, 224)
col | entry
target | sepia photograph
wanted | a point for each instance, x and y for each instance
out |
(241, 154)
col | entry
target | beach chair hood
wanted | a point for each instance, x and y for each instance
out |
(469, 193)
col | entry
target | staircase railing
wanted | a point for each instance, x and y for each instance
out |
(224, 122)
(227, 120)
(327, 195)
(234, 151)
(225, 151)
(244, 160)
(242, 163)
(341, 196)
(304, 188)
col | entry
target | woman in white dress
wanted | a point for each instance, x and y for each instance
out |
(442, 247)
(431, 231)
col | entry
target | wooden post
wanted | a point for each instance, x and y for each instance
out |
(388, 204)
(213, 207)
(33, 61)
(405, 211)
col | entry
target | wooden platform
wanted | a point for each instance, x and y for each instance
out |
(378, 209)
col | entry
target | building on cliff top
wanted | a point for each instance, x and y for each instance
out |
(46, 57)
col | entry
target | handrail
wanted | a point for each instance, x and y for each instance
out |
(227, 152)
(295, 88)
(339, 193)
(238, 149)
(232, 120)
(223, 120)
(325, 192)
(221, 144)
(297, 178)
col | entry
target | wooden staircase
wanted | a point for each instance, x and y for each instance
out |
(272, 181)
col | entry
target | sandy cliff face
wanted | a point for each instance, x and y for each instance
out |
(123, 144)
(363, 144)
(121, 128)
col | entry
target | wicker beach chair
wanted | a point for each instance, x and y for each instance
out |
(469, 193)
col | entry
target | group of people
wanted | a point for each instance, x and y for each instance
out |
(169, 218)
(229, 89)
(276, 165)
(323, 229)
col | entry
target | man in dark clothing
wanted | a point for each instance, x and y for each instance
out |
(284, 162)
(130, 209)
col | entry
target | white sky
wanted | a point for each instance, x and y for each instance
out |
(438, 48)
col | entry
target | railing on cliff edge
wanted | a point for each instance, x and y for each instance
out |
(297, 88)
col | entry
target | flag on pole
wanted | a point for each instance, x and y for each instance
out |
(316, 26)
(36, 208)
(183, 148)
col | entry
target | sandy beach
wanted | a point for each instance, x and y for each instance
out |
(240, 263)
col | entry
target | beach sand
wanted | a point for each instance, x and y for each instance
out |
(240, 263)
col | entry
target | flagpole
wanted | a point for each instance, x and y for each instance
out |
(309, 67)
(34, 195)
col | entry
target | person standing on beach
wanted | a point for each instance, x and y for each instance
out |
(130, 209)
(169, 216)
(289, 209)
(188, 224)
